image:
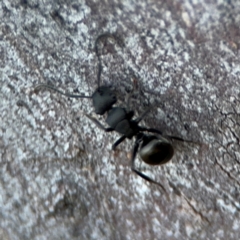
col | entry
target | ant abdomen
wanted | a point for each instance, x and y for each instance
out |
(157, 151)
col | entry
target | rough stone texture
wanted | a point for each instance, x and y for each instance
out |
(59, 178)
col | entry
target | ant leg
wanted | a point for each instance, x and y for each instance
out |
(121, 139)
(142, 175)
(177, 138)
(59, 91)
(139, 119)
(152, 130)
(182, 140)
(99, 124)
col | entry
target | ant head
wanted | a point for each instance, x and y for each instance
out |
(103, 99)
(156, 150)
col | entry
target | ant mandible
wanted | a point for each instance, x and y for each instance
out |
(153, 149)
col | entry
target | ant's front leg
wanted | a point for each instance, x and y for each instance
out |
(99, 124)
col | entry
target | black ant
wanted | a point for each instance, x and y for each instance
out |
(153, 149)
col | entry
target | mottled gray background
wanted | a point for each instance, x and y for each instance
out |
(59, 178)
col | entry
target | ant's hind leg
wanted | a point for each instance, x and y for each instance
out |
(139, 173)
(99, 124)
(152, 130)
(182, 140)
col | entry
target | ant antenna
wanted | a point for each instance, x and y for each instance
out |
(99, 38)
(104, 36)
(59, 91)
(99, 61)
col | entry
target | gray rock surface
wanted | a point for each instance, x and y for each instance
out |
(59, 178)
